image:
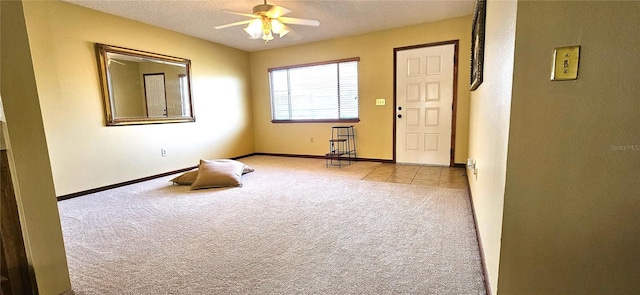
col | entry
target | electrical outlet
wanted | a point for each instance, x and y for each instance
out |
(475, 169)
(473, 166)
(163, 152)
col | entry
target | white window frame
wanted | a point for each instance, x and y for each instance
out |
(341, 112)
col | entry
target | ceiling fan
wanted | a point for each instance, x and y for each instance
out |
(267, 20)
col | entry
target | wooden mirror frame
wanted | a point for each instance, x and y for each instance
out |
(105, 53)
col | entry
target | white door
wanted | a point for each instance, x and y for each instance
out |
(154, 91)
(424, 103)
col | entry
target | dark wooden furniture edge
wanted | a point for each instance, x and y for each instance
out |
(17, 277)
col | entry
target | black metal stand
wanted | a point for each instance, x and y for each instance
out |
(342, 146)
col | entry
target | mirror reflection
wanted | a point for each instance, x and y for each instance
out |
(142, 87)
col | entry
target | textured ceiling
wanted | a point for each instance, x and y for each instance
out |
(337, 18)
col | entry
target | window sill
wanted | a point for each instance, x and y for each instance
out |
(318, 121)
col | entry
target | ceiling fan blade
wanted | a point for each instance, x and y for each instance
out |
(277, 11)
(240, 13)
(233, 24)
(299, 21)
(293, 34)
(285, 31)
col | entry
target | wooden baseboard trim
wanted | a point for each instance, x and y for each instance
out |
(483, 260)
(319, 157)
(112, 186)
(117, 185)
(289, 155)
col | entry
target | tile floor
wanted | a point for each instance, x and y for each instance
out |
(420, 175)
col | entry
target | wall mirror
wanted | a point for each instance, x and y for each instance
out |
(144, 88)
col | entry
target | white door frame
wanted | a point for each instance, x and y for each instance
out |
(455, 92)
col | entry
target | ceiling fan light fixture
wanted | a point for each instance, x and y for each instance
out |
(267, 37)
(283, 32)
(268, 20)
(254, 27)
(276, 26)
(265, 27)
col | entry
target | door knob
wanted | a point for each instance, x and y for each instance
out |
(399, 108)
(399, 116)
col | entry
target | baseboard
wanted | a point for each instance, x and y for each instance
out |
(483, 260)
(289, 155)
(112, 186)
(457, 165)
(320, 157)
(243, 156)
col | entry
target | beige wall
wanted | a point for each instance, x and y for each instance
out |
(374, 132)
(85, 154)
(28, 156)
(571, 206)
(489, 130)
(128, 93)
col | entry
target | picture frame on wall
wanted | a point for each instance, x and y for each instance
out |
(477, 44)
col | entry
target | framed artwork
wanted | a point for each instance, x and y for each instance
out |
(477, 44)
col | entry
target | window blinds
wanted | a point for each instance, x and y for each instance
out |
(318, 92)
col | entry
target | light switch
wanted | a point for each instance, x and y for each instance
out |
(565, 63)
(380, 101)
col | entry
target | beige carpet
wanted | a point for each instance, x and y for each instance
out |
(295, 227)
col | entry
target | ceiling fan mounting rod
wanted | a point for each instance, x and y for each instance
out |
(262, 8)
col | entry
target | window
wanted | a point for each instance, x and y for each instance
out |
(184, 95)
(320, 92)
